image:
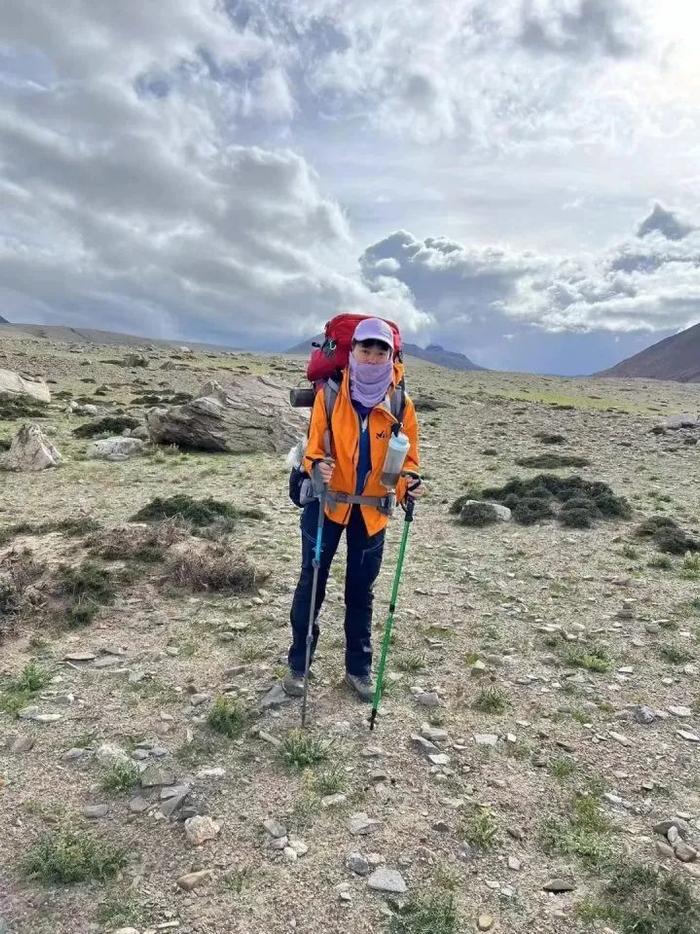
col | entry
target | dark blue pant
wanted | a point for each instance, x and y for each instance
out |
(363, 564)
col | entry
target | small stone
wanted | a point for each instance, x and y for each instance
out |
(109, 754)
(138, 805)
(278, 844)
(514, 863)
(22, 744)
(664, 826)
(275, 697)
(192, 879)
(154, 775)
(387, 880)
(440, 758)
(332, 801)
(290, 854)
(173, 798)
(200, 829)
(274, 827)
(485, 922)
(685, 853)
(357, 863)
(217, 772)
(664, 850)
(686, 735)
(486, 739)
(433, 733)
(96, 811)
(423, 745)
(620, 738)
(79, 657)
(673, 836)
(126, 931)
(559, 885)
(73, 754)
(198, 699)
(299, 846)
(683, 712)
(361, 824)
(428, 699)
(644, 715)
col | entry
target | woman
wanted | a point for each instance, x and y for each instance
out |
(361, 426)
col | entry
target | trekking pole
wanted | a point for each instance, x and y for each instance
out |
(408, 519)
(316, 563)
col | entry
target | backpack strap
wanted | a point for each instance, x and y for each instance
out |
(331, 389)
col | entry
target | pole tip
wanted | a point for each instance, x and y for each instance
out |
(372, 718)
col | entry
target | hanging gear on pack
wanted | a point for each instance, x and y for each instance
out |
(325, 371)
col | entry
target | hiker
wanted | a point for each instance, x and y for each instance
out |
(361, 426)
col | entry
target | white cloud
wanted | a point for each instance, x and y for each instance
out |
(126, 201)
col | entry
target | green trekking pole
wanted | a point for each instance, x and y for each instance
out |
(408, 519)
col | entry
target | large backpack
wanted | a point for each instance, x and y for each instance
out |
(324, 370)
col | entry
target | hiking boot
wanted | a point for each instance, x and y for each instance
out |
(362, 685)
(293, 683)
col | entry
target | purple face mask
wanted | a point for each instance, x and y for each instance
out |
(369, 382)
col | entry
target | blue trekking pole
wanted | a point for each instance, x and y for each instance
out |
(316, 563)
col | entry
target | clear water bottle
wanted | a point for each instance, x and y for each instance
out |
(394, 461)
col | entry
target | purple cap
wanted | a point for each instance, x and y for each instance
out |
(374, 329)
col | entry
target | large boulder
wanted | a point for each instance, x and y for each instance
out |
(115, 449)
(30, 450)
(249, 414)
(12, 384)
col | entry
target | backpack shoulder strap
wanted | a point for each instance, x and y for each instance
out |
(331, 389)
(397, 402)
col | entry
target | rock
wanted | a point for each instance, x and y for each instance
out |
(620, 738)
(174, 798)
(485, 922)
(682, 712)
(192, 879)
(13, 385)
(428, 699)
(250, 414)
(126, 931)
(79, 657)
(30, 451)
(361, 824)
(299, 846)
(664, 850)
(423, 745)
(357, 863)
(439, 758)
(688, 736)
(676, 422)
(96, 811)
(644, 715)
(138, 804)
(387, 880)
(21, 744)
(155, 774)
(78, 408)
(275, 697)
(332, 801)
(199, 829)
(274, 827)
(486, 739)
(684, 852)
(433, 734)
(73, 754)
(559, 885)
(514, 863)
(33, 713)
(290, 854)
(115, 449)
(663, 827)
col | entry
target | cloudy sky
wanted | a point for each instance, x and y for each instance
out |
(516, 180)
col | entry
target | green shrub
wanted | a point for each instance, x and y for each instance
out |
(66, 857)
(552, 461)
(107, 425)
(300, 750)
(227, 717)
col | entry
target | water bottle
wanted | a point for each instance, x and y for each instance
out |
(394, 461)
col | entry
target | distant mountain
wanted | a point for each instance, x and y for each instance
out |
(674, 358)
(433, 353)
(58, 332)
(3, 320)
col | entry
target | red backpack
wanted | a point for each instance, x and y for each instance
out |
(332, 355)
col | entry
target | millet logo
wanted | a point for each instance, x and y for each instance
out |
(380, 435)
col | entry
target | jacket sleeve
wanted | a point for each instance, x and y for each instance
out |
(315, 446)
(412, 462)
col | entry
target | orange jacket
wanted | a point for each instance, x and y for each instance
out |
(345, 447)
